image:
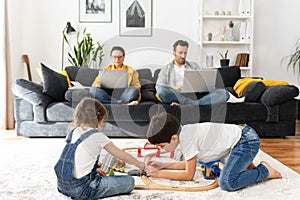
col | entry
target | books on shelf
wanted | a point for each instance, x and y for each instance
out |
(242, 59)
(245, 31)
(248, 31)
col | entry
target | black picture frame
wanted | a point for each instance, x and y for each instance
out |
(135, 18)
(91, 11)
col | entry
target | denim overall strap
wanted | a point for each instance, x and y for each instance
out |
(69, 136)
(87, 134)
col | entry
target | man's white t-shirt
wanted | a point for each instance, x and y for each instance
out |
(87, 151)
(179, 74)
(208, 141)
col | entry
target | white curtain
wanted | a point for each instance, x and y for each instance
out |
(6, 100)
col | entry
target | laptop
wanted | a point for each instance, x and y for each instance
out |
(113, 79)
(199, 81)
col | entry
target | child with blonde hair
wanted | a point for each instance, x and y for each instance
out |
(77, 170)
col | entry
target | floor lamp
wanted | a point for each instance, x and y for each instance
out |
(68, 30)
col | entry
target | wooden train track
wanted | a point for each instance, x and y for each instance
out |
(150, 185)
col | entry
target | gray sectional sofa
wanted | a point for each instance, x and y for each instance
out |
(271, 111)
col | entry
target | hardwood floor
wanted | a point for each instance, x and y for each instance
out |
(286, 150)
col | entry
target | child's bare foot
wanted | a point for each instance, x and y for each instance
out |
(133, 103)
(174, 104)
(273, 173)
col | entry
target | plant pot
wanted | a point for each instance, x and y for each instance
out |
(224, 62)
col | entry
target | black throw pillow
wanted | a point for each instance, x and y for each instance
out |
(253, 91)
(148, 90)
(54, 84)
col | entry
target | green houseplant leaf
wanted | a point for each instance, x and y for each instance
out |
(85, 51)
(292, 61)
(225, 55)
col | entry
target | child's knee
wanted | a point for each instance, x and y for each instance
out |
(225, 185)
(130, 183)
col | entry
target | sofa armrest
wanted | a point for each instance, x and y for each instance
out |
(33, 93)
(275, 95)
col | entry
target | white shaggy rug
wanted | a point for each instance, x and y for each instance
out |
(26, 173)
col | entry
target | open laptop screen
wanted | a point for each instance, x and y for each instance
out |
(113, 79)
(199, 80)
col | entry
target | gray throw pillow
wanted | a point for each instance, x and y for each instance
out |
(54, 84)
(31, 92)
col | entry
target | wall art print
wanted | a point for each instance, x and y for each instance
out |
(136, 18)
(95, 10)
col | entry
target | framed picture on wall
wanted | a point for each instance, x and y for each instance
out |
(136, 18)
(95, 10)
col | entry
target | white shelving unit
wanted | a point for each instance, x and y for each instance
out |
(214, 18)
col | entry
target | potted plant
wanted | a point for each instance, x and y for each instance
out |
(293, 60)
(85, 53)
(224, 61)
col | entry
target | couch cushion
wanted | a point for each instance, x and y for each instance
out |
(76, 94)
(145, 74)
(137, 113)
(60, 112)
(72, 72)
(227, 76)
(54, 84)
(85, 76)
(155, 76)
(253, 91)
(274, 95)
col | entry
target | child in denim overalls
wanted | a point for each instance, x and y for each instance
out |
(236, 146)
(77, 171)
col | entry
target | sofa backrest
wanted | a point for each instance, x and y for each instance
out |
(145, 74)
(227, 76)
(85, 76)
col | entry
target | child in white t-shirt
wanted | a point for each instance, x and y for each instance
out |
(78, 173)
(235, 145)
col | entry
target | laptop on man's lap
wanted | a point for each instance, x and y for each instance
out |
(197, 81)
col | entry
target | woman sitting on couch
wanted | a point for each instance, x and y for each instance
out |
(130, 94)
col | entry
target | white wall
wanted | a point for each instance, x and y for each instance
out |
(276, 31)
(36, 29)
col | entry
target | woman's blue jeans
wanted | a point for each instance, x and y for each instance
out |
(169, 95)
(235, 175)
(130, 93)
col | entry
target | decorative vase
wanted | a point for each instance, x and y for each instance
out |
(224, 62)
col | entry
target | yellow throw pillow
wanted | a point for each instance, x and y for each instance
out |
(157, 97)
(39, 72)
(65, 73)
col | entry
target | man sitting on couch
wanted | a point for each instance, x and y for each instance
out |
(170, 80)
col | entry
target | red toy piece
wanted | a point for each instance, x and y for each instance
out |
(149, 146)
